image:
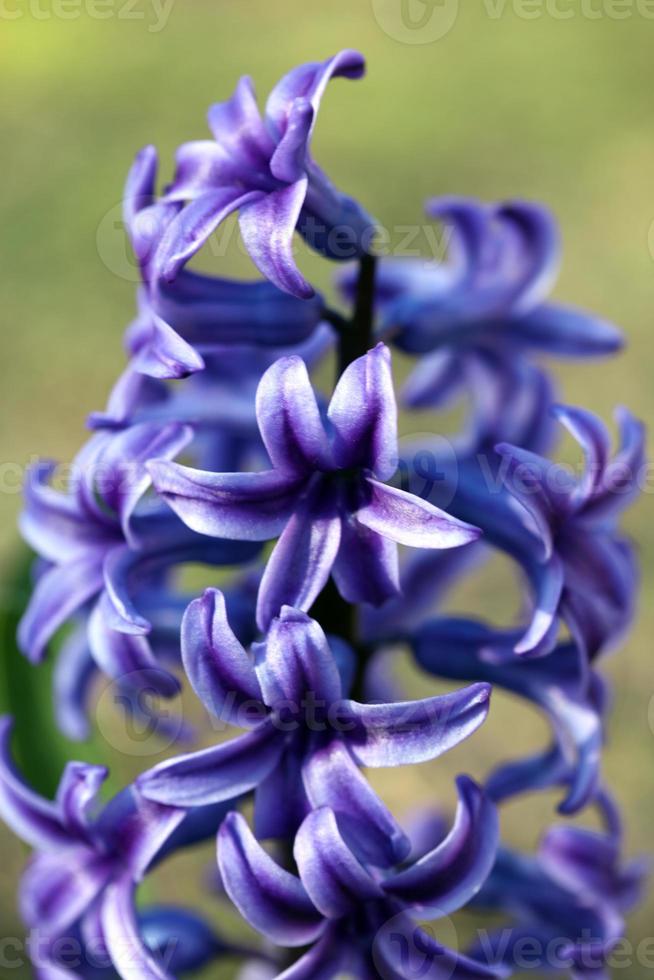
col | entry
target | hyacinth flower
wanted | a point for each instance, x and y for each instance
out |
(179, 323)
(307, 739)
(585, 571)
(573, 699)
(88, 864)
(568, 904)
(262, 168)
(101, 550)
(358, 923)
(486, 304)
(560, 531)
(324, 497)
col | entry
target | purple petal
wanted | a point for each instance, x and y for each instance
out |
(289, 418)
(325, 960)
(334, 879)
(56, 889)
(77, 796)
(239, 130)
(163, 354)
(280, 802)
(194, 225)
(332, 779)
(621, 483)
(566, 332)
(297, 661)
(302, 559)
(222, 772)
(547, 582)
(542, 487)
(434, 381)
(137, 829)
(363, 413)
(59, 593)
(415, 731)
(593, 437)
(125, 656)
(267, 225)
(34, 819)
(366, 567)
(409, 520)
(73, 676)
(245, 506)
(140, 186)
(221, 672)
(272, 900)
(308, 82)
(129, 954)
(289, 161)
(448, 877)
(53, 523)
(533, 258)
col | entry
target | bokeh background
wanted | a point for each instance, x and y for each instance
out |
(488, 98)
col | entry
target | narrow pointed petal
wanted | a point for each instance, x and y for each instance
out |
(334, 879)
(332, 779)
(595, 441)
(297, 661)
(58, 594)
(302, 559)
(267, 225)
(309, 82)
(222, 772)
(239, 130)
(72, 680)
(448, 877)
(272, 900)
(166, 355)
(407, 519)
(414, 731)
(542, 487)
(245, 506)
(567, 332)
(128, 952)
(363, 412)
(140, 185)
(289, 418)
(547, 581)
(220, 670)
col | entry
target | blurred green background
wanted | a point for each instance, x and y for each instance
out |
(510, 101)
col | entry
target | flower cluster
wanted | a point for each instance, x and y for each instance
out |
(214, 442)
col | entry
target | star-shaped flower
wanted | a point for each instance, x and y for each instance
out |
(324, 495)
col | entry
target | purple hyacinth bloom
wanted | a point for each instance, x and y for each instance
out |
(567, 904)
(102, 551)
(307, 739)
(487, 305)
(179, 323)
(356, 922)
(324, 495)
(262, 168)
(573, 698)
(583, 571)
(89, 859)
